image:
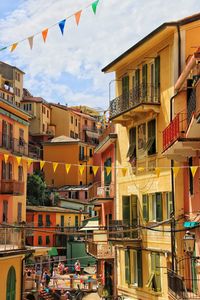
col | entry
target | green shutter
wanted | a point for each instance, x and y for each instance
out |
(139, 268)
(126, 209)
(157, 78)
(107, 178)
(159, 208)
(144, 82)
(151, 145)
(11, 284)
(145, 207)
(157, 272)
(134, 215)
(127, 266)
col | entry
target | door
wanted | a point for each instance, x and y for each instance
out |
(11, 284)
(194, 274)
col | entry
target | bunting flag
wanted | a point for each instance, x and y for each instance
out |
(157, 171)
(67, 168)
(42, 162)
(108, 170)
(55, 165)
(78, 16)
(175, 171)
(81, 169)
(4, 48)
(13, 47)
(6, 156)
(19, 159)
(44, 34)
(30, 40)
(94, 6)
(95, 169)
(193, 170)
(29, 162)
(140, 169)
(124, 171)
(62, 25)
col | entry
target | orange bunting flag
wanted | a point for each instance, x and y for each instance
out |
(81, 169)
(13, 47)
(67, 168)
(175, 171)
(19, 159)
(193, 170)
(157, 171)
(95, 169)
(42, 162)
(108, 170)
(124, 171)
(6, 158)
(78, 16)
(44, 34)
(30, 40)
(55, 165)
(29, 162)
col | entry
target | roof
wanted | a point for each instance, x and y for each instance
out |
(2, 62)
(63, 139)
(50, 209)
(75, 188)
(84, 115)
(35, 99)
(180, 22)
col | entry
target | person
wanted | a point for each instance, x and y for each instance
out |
(55, 277)
(46, 279)
(77, 267)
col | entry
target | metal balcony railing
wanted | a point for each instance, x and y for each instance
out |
(12, 187)
(119, 229)
(18, 146)
(11, 239)
(143, 94)
(191, 106)
(34, 151)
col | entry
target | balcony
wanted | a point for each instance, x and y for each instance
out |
(106, 191)
(34, 151)
(17, 146)
(143, 99)
(10, 239)
(100, 250)
(120, 231)
(83, 158)
(11, 187)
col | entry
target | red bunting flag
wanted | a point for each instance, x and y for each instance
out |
(78, 16)
(44, 34)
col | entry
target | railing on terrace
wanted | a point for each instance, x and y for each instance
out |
(126, 231)
(191, 106)
(98, 190)
(142, 94)
(11, 187)
(34, 151)
(100, 250)
(14, 145)
(10, 239)
(179, 287)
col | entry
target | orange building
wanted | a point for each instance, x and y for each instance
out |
(66, 150)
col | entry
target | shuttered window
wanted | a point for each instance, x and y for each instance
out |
(144, 82)
(145, 207)
(132, 144)
(157, 78)
(151, 144)
(107, 178)
(139, 268)
(40, 222)
(159, 207)
(137, 85)
(155, 270)
(125, 91)
(48, 221)
(39, 240)
(127, 266)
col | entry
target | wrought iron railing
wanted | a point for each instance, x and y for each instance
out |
(119, 229)
(12, 187)
(11, 238)
(18, 146)
(191, 105)
(143, 94)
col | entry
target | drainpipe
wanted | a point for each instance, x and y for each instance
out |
(22, 278)
(115, 216)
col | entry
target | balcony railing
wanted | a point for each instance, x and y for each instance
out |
(12, 187)
(18, 146)
(143, 94)
(34, 151)
(119, 229)
(106, 132)
(100, 251)
(11, 239)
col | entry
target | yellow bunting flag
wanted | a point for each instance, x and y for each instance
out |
(175, 171)
(13, 47)
(124, 171)
(193, 170)
(67, 168)
(44, 34)
(81, 169)
(18, 158)
(55, 165)
(30, 40)
(78, 16)
(140, 169)
(29, 162)
(6, 158)
(157, 171)
(108, 170)
(95, 169)
(42, 162)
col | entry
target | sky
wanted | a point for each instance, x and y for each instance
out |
(67, 69)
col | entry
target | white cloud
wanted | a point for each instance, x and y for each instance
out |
(82, 51)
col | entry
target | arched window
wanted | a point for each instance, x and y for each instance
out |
(11, 284)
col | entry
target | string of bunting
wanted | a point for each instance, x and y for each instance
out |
(108, 169)
(61, 25)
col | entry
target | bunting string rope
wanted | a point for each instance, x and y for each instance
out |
(61, 24)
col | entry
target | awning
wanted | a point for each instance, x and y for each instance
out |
(190, 224)
(53, 251)
(91, 225)
(92, 134)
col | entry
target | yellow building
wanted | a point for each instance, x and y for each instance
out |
(145, 78)
(11, 81)
(66, 150)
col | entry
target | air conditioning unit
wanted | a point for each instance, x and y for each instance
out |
(100, 191)
(107, 189)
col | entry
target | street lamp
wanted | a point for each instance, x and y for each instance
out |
(189, 242)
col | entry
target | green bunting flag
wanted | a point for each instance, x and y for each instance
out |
(94, 6)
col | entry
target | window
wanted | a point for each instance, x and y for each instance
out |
(91, 170)
(145, 207)
(76, 221)
(127, 266)
(21, 137)
(151, 143)
(191, 180)
(85, 122)
(48, 221)
(81, 153)
(130, 214)
(144, 82)
(136, 268)
(47, 240)
(5, 211)
(11, 284)
(47, 113)
(40, 221)
(107, 177)
(76, 122)
(132, 144)
(20, 173)
(39, 240)
(155, 277)
(76, 135)
(6, 170)
(90, 211)
(157, 78)
(19, 212)
(91, 152)
(72, 120)
(152, 205)
(86, 194)
(142, 140)
(62, 222)
(43, 127)
(30, 106)
(137, 85)
(71, 134)
(125, 91)
(44, 110)
(169, 204)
